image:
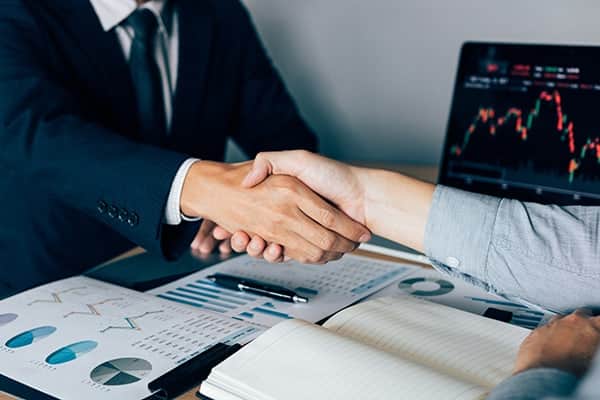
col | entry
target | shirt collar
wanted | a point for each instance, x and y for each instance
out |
(113, 12)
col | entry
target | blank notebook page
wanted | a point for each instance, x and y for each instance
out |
(467, 346)
(298, 360)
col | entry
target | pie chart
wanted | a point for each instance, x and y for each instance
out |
(28, 337)
(71, 352)
(121, 371)
(7, 318)
(426, 287)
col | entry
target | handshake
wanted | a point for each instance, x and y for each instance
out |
(283, 205)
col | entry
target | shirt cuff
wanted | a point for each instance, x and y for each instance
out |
(535, 384)
(459, 230)
(173, 215)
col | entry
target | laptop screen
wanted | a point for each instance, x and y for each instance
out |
(525, 123)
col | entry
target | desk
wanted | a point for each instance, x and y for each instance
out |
(425, 172)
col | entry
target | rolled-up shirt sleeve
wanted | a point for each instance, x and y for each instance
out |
(542, 254)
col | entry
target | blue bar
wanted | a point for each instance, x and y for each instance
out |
(534, 312)
(221, 290)
(224, 292)
(189, 303)
(501, 303)
(193, 296)
(271, 313)
(247, 315)
(527, 318)
(375, 282)
(201, 292)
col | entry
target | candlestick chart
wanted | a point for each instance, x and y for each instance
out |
(541, 139)
(557, 138)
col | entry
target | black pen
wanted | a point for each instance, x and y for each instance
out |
(258, 288)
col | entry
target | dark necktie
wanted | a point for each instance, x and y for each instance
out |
(146, 76)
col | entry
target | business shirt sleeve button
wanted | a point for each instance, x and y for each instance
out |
(452, 262)
(113, 211)
(123, 215)
(133, 219)
(101, 206)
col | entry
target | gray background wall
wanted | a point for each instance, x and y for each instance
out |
(374, 77)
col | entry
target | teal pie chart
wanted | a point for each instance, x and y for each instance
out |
(71, 352)
(29, 337)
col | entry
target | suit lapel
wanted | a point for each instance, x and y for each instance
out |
(195, 36)
(108, 67)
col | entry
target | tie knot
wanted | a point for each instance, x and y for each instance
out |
(144, 24)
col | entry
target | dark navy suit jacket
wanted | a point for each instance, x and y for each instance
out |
(78, 183)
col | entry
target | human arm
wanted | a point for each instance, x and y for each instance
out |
(546, 255)
(552, 359)
(55, 145)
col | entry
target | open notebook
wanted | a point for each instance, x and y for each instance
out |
(383, 349)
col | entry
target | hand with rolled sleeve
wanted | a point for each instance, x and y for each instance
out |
(547, 255)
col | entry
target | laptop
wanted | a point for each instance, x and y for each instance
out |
(525, 123)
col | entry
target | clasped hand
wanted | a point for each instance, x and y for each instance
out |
(280, 210)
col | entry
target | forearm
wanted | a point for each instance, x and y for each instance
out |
(546, 255)
(396, 206)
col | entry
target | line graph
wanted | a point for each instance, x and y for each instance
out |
(56, 297)
(92, 308)
(130, 322)
(488, 120)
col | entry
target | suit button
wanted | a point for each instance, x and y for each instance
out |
(133, 219)
(112, 211)
(101, 207)
(123, 215)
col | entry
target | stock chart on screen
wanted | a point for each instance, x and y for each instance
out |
(525, 123)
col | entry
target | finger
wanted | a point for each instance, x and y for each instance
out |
(273, 253)
(240, 241)
(206, 228)
(265, 164)
(256, 247)
(225, 247)
(220, 233)
(208, 244)
(305, 252)
(335, 220)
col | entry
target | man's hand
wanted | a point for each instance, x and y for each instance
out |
(206, 239)
(280, 210)
(337, 182)
(568, 343)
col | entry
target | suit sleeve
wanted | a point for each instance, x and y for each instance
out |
(268, 117)
(46, 138)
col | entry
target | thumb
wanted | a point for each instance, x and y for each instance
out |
(261, 169)
(269, 163)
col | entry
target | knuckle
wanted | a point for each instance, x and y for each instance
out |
(326, 217)
(328, 241)
(317, 256)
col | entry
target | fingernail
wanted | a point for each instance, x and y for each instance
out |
(194, 244)
(254, 245)
(365, 238)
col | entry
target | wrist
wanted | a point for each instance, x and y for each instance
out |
(396, 206)
(198, 193)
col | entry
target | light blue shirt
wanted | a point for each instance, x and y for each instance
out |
(544, 255)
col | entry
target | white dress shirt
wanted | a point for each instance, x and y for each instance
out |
(113, 15)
